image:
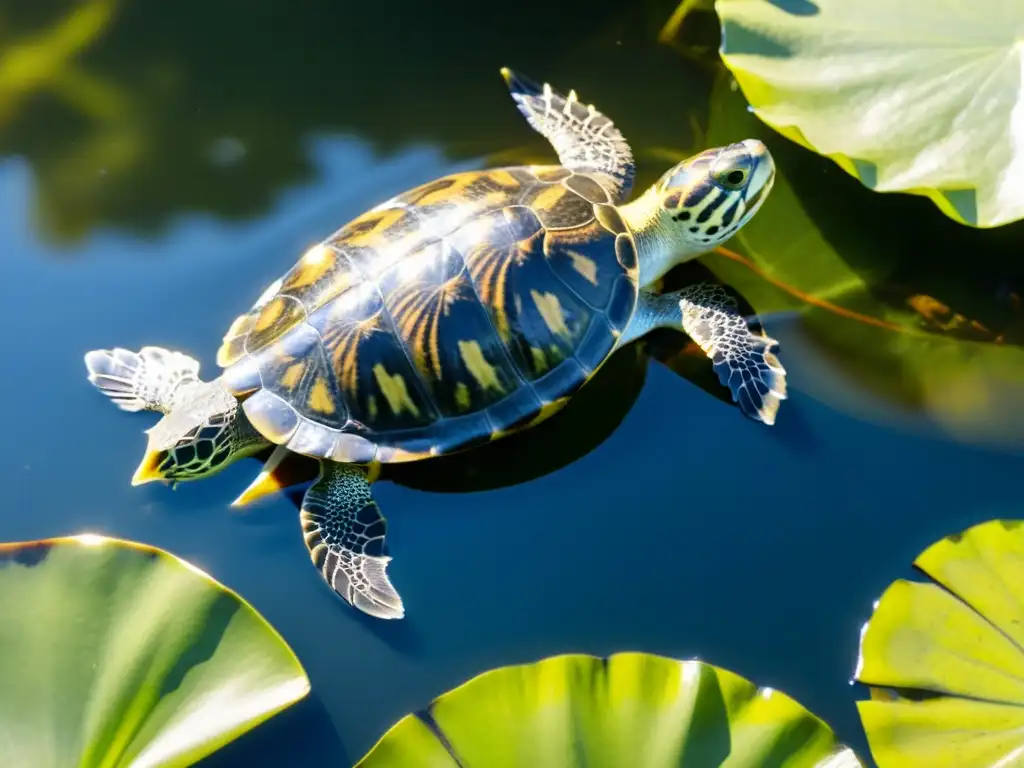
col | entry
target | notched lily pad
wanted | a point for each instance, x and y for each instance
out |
(919, 97)
(945, 660)
(627, 709)
(120, 655)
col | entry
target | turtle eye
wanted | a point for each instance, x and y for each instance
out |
(732, 179)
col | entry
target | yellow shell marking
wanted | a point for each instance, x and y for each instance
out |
(320, 399)
(462, 396)
(371, 406)
(394, 390)
(291, 377)
(503, 178)
(585, 265)
(418, 314)
(485, 374)
(346, 342)
(317, 262)
(370, 225)
(549, 197)
(270, 314)
(442, 193)
(551, 311)
(488, 267)
(547, 411)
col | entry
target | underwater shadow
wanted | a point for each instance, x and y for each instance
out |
(963, 282)
(590, 418)
(402, 635)
(684, 358)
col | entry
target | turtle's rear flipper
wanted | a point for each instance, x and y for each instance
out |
(138, 381)
(344, 531)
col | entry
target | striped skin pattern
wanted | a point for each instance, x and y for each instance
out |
(706, 194)
(464, 309)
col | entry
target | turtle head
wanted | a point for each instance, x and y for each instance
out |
(699, 204)
(195, 440)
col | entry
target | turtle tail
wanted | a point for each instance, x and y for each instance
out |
(143, 380)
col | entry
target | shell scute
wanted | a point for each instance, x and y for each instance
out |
(593, 349)
(297, 369)
(274, 320)
(584, 259)
(610, 219)
(550, 174)
(536, 315)
(587, 188)
(563, 379)
(558, 207)
(625, 251)
(622, 303)
(447, 333)
(371, 369)
(317, 265)
(454, 313)
(515, 411)
(523, 224)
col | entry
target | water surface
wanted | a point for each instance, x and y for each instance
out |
(184, 157)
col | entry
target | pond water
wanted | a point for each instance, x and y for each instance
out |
(169, 161)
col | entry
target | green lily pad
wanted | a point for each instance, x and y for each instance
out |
(919, 97)
(119, 655)
(628, 709)
(945, 660)
(821, 248)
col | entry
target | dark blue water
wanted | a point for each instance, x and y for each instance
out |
(649, 516)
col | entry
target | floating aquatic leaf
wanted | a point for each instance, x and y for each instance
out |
(120, 655)
(629, 709)
(832, 251)
(946, 659)
(921, 97)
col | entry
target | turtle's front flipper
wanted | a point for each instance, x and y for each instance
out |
(344, 531)
(745, 361)
(149, 379)
(586, 141)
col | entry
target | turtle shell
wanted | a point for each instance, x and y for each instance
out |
(459, 311)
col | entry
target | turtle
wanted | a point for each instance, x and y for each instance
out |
(456, 313)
